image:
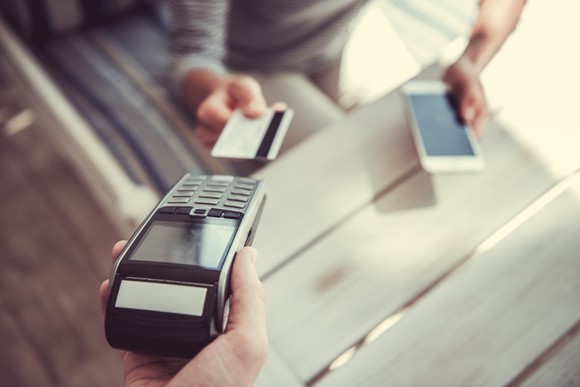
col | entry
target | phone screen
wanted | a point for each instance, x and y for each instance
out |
(441, 129)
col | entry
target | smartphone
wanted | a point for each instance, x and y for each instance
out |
(169, 291)
(444, 142)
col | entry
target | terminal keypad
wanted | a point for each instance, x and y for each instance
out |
(214, 196)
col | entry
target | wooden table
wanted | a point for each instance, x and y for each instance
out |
(377, 273)
(55, 242)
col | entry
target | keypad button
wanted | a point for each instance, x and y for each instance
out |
(215, 189)
(195, 178)
(244, 186)
(245, 180)
(183, 210)
(217, 183)
(211, 202)
(213, 195)
(232, 215)
(192, 185)
(178, 200)
(224, 178)
(216, 213)
(183, 194)
(238, 198)
(234, 204)
(166, 210)
(241, 192)
(198, 212)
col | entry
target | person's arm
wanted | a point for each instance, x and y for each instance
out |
(197, 42)
(199, 78)
(495, 22)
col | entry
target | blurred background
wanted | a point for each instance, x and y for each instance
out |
(82, 110)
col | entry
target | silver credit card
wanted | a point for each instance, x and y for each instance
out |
(253, 138)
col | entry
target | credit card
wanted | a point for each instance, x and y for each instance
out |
(253, 138)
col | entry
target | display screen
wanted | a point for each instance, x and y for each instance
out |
(442, 131)
(196, 244)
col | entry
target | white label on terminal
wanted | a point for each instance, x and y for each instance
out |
(158, 297)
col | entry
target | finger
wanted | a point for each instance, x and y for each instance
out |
(247, 309)
(104, 288)
(242, 350)
(103, 295)
(214, 113)
(468, 114)
(468, 109)
(473, 111)
(207, 136)
(479, 122)
(247, 95)
(117, 248)
(279, 106)
(247, 320)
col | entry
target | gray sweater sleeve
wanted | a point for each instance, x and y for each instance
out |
(197, 37)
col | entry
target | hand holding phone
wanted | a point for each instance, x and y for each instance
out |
(445, 144)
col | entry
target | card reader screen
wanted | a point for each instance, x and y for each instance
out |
(193, 244)
(442, 132)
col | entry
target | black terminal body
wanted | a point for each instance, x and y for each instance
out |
(169, 289)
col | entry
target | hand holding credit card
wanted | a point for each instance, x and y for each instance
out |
(253, 138)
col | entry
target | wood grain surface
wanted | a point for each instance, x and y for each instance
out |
(388, 252)
(55, 251)
(492, 318)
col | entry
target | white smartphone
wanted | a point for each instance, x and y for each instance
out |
(445, 144)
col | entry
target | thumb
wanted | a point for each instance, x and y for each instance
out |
(247, 95)
(247, 307)
(104, 288)
(468, 113)
(236, 357)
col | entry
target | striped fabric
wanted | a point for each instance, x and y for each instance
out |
(38, 20)
(116, 77)
(258, 35)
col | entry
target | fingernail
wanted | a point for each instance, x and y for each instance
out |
(255, 107)
(279, 106)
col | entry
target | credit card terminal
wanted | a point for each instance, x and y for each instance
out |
(169, 289)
